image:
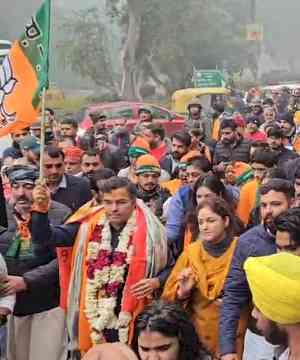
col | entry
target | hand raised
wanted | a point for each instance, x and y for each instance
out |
(186, 283)
(41, 198)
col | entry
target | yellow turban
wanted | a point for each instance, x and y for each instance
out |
(275, 285)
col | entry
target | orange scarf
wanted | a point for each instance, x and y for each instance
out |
(64, 254)
(138, 268)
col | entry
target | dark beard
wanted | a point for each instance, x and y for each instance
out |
(275, 336)
(176, 155)
(147, 195)
(270, 227)
(227, 142)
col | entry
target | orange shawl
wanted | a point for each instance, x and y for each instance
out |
(172, 185)
(64, 254)
(150, 257)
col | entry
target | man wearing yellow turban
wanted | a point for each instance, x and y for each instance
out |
(274, 282)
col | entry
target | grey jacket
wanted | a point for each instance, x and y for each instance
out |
(40, 273)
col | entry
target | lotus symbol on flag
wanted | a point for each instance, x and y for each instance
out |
(7, 84)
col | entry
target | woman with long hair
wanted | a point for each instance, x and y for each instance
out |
(162, 331)
(199, 275)
(206, 187)
(165, 330)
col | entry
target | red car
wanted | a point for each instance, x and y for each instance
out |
(171, 121)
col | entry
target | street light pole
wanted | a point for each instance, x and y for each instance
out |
(253, 11)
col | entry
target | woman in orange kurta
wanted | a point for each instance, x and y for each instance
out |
(199, 274)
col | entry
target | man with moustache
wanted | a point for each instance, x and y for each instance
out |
(33, 279)
(155, 135)
(275, 139)
(180, 145)
(148, 188)
(72, 191)
(119, 259)
(276, 196)
(90, 162)
(122, 138)
(231, 147)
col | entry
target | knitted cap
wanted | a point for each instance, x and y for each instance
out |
(73, 153)
(242, 171)
(147, 164)
(275, 286)
(22, 173)
(30, 143)
(139, 147)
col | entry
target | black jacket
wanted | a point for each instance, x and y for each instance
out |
(290, 168)
(76, 194)
(169, 164)
(155, 199)
(113, 159)
(240, 151)
(40, 273)
(12, 151)
(284, 156)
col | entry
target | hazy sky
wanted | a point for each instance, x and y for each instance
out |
(280, 19)
(21, 10)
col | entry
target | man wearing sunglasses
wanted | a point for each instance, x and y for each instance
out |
(69, 190)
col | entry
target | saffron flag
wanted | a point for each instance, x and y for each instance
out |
(24, 74)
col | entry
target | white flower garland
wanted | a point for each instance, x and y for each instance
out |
(98, 308)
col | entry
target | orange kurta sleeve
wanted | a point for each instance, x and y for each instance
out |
(170, 289)
(216, 130)
(296, 145)
(247, 201)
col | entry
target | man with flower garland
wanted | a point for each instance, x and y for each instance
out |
(119, 261)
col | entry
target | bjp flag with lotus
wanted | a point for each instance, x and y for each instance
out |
(24, 74)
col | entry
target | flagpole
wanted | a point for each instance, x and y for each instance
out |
(42, 144)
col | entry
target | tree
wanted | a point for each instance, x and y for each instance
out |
(130, 61)
(84, 48)
(161, 42)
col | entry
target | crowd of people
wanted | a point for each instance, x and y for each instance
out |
(142, 244)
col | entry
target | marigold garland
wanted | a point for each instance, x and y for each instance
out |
(105, 275)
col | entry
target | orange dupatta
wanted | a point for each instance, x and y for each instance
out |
(65, 254)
